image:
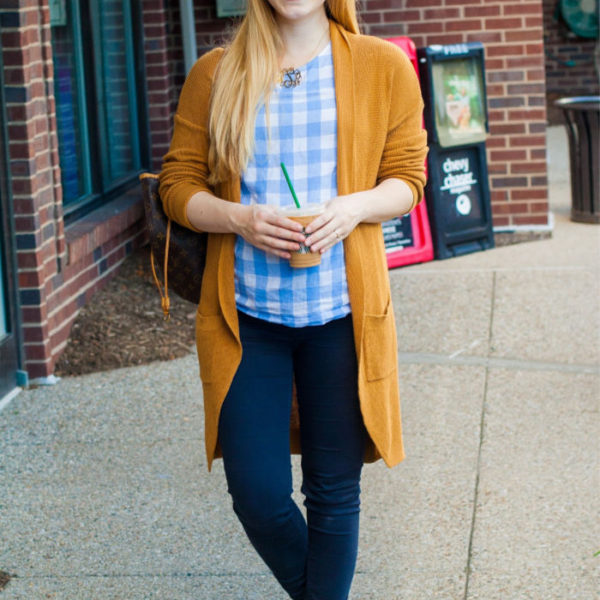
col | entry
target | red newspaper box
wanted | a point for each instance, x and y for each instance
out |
(408, 239)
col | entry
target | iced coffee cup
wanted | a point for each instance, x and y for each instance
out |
(304, 215)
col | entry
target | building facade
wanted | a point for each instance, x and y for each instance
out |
(572, 61)
(89, 92)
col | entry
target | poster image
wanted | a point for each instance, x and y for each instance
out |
(460, 112)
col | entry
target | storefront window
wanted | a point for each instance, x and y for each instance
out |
(70, 106)
(116, 80)
(96, 102)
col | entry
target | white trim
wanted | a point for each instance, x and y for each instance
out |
(49, 380)
(8, 397)
(526, 228)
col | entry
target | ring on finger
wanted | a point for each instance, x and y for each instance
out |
(336, 234)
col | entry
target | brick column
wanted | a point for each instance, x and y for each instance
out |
(35, 171)
(159, 78)
(59, 270)
(210, 32)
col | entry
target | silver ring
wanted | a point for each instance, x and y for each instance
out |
(337, 235)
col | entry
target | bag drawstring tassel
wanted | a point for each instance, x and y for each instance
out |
(165, 302)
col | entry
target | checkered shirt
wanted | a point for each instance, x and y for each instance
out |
(303, 135)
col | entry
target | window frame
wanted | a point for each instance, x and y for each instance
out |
(93, 137)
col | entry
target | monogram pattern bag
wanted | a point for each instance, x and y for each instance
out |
(180, 251)
(183, 251)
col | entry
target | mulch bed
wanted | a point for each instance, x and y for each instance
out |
(122, 325)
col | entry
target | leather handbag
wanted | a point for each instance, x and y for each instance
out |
(180, 251)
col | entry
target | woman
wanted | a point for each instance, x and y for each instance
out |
(298, 85)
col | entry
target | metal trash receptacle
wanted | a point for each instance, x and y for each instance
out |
(582, 117)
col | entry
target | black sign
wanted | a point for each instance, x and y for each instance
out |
(460, 196)
(398, 233)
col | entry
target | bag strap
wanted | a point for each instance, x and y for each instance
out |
(165, 302)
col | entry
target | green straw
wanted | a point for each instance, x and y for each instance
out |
(289, 182)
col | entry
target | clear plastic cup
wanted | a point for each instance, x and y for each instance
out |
(303, 215)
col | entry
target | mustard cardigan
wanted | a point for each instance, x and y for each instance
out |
(380, 136)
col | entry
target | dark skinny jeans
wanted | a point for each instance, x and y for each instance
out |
(312, 559)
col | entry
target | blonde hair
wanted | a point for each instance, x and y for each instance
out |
(243, 82)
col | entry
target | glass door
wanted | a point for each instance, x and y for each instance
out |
(8, 327)
(8, 340)
(3, 307)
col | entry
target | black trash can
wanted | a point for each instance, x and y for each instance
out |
(582, 116)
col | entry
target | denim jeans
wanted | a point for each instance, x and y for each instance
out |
(312, 559)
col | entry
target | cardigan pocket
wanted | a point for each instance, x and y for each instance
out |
(208, 333)
(379, 345)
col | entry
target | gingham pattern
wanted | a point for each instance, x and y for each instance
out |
(303, 135)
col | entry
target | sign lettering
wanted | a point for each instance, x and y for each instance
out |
(459, 175)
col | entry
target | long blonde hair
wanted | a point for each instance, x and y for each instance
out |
(244, 79)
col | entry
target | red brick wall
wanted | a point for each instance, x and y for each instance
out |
(58, 269)
(512, 33)
(34, 170)
(570, 68)
(210, 32)
(174, 54)
(160, 81)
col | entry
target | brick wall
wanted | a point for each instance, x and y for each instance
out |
(160, 80)
(35, 172)
(175, 53)
(570, 68)
(60, 268)
(512, 33)
(210, 32)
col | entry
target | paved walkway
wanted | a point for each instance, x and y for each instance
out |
(104, 492)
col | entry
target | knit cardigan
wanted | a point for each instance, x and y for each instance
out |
(380, 136)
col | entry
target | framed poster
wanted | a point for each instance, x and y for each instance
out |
(459, 97)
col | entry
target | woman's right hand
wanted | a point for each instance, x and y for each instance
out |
(263, 227)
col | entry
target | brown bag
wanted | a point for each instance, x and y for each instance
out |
(180, 251)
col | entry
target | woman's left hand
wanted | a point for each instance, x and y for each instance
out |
(342, 214)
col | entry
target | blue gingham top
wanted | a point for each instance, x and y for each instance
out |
(303, 135)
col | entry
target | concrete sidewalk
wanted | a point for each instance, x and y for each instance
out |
(104, 492)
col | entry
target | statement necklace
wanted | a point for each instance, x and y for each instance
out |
(291, 76)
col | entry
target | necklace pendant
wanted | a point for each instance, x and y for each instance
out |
(290, 78)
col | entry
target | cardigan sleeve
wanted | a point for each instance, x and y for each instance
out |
(185, 170)
(406, 142)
